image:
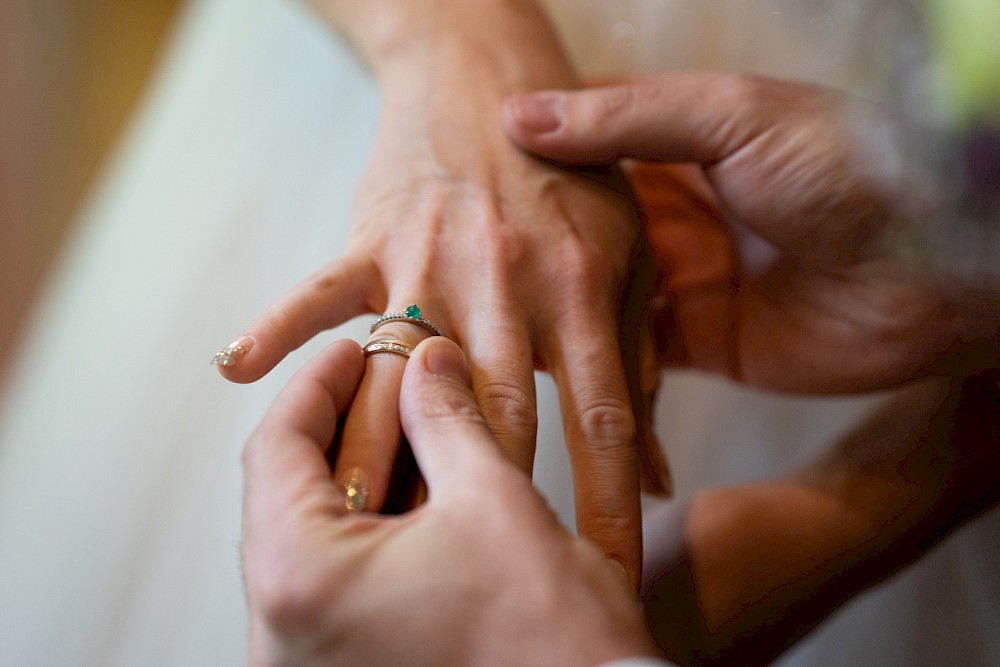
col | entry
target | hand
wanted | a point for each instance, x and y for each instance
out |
(483, 573)
(736, 574)
(523, 264)
(823, 180)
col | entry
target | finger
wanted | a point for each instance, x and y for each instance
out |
(284, 460)
(641, 369)
(683, 117)
(692, 245)
(502, 370)
(600, 429)
(371, 437)
(332, 296)
(456, 452)
(656, 477)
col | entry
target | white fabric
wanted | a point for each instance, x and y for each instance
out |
(119, 474)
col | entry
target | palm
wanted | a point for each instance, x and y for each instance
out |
(807, 316)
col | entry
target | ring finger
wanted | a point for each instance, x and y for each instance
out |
(370, 443)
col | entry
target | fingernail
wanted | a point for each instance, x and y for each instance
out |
(356, 490)
(447, 361)
(539, 113)
(233, 352)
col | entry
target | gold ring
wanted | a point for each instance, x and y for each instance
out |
(393, 346)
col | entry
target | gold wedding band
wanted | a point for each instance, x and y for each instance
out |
(393, 346)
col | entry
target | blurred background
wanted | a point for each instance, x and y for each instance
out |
(71, 72)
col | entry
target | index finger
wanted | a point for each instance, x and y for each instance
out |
(286, 454)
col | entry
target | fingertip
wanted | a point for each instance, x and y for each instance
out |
(441, 419)
(320, 302)
(314, 398)
(349, 352)
(560, 126)
(245, 360)
(229, 355)
(531, 114)
(442, 357)
(234, 361)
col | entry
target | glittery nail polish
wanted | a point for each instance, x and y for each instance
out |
(233, 352)
(356, 490)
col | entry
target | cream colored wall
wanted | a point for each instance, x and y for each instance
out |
(70, 72)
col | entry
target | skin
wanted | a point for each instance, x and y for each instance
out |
(746, 571)
(742, 572)
(822, 179)
(525, 265)
(330, 587)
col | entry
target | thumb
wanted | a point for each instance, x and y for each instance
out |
(687, 117)
(441, 419)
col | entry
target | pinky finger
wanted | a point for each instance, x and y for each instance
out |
(330, 297)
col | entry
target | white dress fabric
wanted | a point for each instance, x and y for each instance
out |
(119, 446)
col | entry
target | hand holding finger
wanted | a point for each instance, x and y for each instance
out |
(371, 438)
(285, 459)
(756, 138)
(444, 425)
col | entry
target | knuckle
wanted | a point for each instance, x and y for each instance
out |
(747, 86)
(500, 250)
(320, 282)
(783, 96)
(753, 91)
(609, 525)
(508, 406)
(619, 109)
(612, 104)
(618, 102)
(584, 266)
(449, 406)
(607, 426)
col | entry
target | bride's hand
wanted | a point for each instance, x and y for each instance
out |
(523, 264)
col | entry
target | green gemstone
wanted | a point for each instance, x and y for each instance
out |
(413, 311)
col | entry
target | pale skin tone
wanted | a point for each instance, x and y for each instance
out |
(744, 571)
(496, 578)
(752, 567)
(447, 217)
(756, 566)
(819, 176)
(523, 264)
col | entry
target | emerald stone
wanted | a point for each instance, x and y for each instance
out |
(413, 311)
